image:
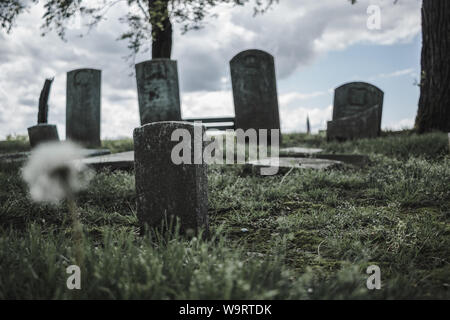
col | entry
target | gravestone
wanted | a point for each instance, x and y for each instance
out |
(165, 189)
(158, 91)
(357, 112)
(299, 151)
(254, 90)
(43, 101)
(115, 161)
(43, 132)
(284, 164)
(83, 101)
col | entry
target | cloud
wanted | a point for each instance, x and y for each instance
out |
(288, 98)
(407, 123)
(207, 104)
(294, 120)
(295, 32)
(405, 72)
(296, 107)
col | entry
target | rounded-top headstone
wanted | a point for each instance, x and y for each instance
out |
(165, 187)
(83, 100)
(357, 111)
(254, 90)
(356, 97)
(158, 91)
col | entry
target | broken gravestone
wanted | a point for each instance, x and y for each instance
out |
(83, 106)
(43, 132)
(166, 188)
(284, 164)
(254, 90)
(158, 91)
(357, 112)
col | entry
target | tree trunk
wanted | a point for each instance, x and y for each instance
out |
(434, 102)
(161, 29)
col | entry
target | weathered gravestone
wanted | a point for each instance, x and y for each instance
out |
(83, 106)
(254, 90)
(158, 91)
(357, 112)
(43, 101)
(166, 189)
(43, 131)
(283, 165)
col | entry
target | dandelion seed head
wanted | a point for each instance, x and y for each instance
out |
(54, 170)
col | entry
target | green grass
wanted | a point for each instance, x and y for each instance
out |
(310, 234)
(116, 146)
(20, 143)
(16, 143)
(400, 145)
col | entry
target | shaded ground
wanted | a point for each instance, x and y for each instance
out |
(308, 234)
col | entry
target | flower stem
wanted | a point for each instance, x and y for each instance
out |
(77, 230)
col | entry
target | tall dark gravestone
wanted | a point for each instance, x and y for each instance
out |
(158, 91)
(357, 112)
(43, 101)
(165, 186)
(43, 132)
(254, 90)
(83, 100)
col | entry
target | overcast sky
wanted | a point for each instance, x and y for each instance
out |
(317, 45)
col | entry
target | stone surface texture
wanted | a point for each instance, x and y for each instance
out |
(122, 160)
(299, 150)
(254, 90)
(83, 106)
(164, 189)
(42, 133)
(158, 91)
(287, 163)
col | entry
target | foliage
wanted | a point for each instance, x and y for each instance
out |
(15, 143)
(116, 146)
(309, 234)
(142, 17)
(400, 145)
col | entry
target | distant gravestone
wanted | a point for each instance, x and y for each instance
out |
(158, 91)
(165, 189)
(286, 163)
(43, 132)
(254, 90)
(357, 112)
(83, 102)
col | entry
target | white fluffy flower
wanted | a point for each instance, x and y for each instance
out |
(54, 171)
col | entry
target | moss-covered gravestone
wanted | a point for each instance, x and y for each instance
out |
(254, 90)
(43, 132)
(167, 187)
(83, 106)
(158, 91)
